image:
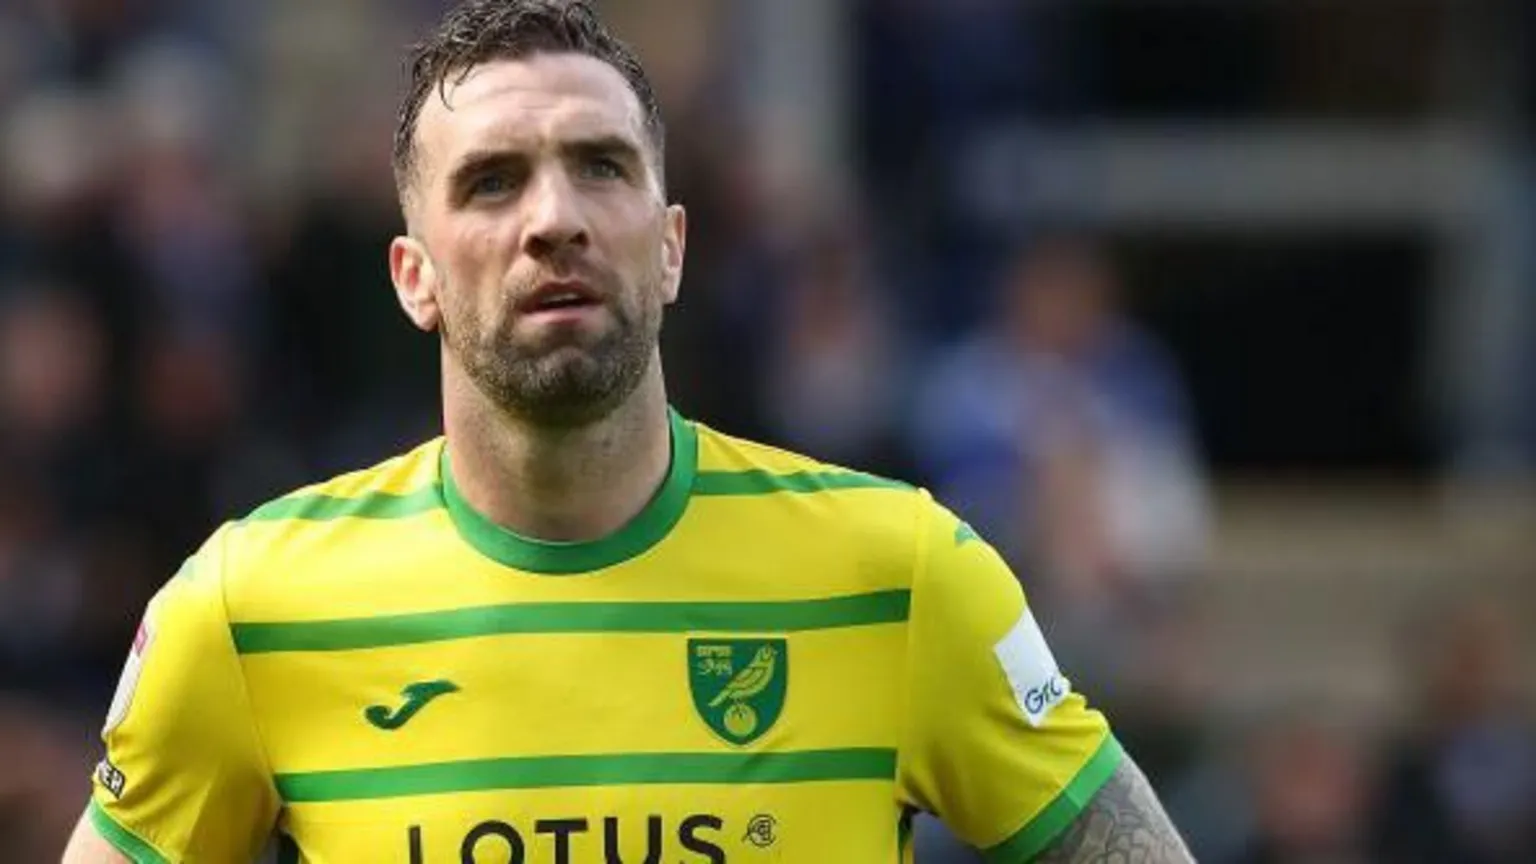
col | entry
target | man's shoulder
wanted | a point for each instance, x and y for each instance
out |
(888, 518)
(381, 489)
(319, 517)
(733, 465)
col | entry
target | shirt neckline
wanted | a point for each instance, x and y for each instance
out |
(555, 558)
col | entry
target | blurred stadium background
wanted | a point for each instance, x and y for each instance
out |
(1217, 316)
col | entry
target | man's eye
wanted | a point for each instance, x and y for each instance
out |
(602, 168)
(490, 184)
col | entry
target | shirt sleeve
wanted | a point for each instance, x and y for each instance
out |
(183, 777)
(997, 744)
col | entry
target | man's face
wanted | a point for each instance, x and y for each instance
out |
(542, 245)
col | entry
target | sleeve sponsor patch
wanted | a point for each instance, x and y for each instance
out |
(128, 682)
(1037, 682)
(110, 778)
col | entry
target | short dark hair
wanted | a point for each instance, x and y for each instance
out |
(479, 31)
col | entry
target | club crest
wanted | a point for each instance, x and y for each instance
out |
(738, 685)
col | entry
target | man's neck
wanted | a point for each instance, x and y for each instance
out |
(561, 485)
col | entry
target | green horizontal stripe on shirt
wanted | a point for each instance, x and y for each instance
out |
(121, 839)
(374, 505)
(621, 769)
(757, 482)
(391, 505)
(1041, 831)
(883, 607)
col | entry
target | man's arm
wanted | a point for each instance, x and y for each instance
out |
(86, 846)
(1123, 822)
(997, 739)
(175, 780)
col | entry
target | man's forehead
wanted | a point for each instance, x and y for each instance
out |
(541, 98)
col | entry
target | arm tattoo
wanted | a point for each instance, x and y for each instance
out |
(1123, 823)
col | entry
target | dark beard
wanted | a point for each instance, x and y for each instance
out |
(568, 386)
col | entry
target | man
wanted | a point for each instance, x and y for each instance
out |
(579, 627)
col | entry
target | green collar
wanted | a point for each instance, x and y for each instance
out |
(647, 529)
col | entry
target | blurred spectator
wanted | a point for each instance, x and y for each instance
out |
(41, 586)
(37, 807)
(1162, 714)
(61, 179)
(834, 376)
(1312, 793)
(1061, 430)
(933, 73)
(348, 372)
(187, 443)
(934, 80)
(1462, 785)
(320, 70)
(711, 346)
(82, 40)
(63, 478)
(16, 57)
(749, 236)
(58, 160)
(54, 429)
(177, 214)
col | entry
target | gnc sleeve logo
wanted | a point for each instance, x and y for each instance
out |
(1037, 682)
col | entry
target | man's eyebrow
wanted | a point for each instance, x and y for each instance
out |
(476, 161)
(606, 145)
(603, 142)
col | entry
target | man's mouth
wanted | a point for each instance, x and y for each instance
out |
(553, 296)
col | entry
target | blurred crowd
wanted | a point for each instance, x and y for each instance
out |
(195, 316)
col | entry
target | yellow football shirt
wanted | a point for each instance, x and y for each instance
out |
(778, 660)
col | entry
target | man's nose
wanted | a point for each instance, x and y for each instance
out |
(554, 218)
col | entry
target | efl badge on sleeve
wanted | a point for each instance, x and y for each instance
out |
(129, 681)
(738, 684)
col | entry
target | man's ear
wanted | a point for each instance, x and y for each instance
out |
(674, 245)
(416, 282)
